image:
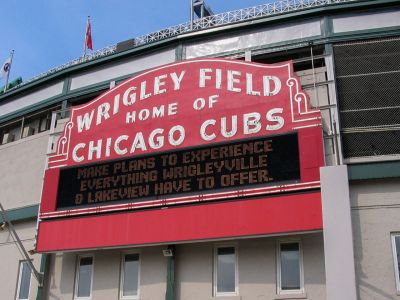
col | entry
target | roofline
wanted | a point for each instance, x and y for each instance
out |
(164, 43)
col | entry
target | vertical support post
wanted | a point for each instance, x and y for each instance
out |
(40, 291)
(338, 234)
(247, 55)
(170, 292)
(191, 14)
(333, 101)
(64, 106)
(22, 127)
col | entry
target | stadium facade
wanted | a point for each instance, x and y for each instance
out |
(252, 154)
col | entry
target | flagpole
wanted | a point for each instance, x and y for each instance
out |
(85, 44)
(9, 70)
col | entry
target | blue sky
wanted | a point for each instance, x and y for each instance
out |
(48, 33)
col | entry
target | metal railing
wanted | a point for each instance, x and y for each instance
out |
(231, 17)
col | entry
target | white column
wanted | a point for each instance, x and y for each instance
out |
(338, 234)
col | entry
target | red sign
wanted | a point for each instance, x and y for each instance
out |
(185, 104)
(213, 105)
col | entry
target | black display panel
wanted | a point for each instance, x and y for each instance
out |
(201, 170)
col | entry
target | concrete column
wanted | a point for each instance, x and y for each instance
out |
(338, 234)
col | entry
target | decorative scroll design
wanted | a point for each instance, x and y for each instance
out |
(300, 103)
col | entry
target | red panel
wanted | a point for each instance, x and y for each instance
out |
(301, 212)
(311, 153)
(49, 192)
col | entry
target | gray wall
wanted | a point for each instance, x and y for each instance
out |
(11, 256)
(193, 271)
(22, 168)
(257, 269)
(375, 215)
(106, 278)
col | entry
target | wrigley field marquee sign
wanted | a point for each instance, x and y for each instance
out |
(196, 130)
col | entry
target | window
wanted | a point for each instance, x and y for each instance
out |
(290, 268)
(396, 256)
(24, 280)
(27, 125)
(84, 277)
(225, 270)
(130, 276)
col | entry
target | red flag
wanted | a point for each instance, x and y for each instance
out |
(89, 44)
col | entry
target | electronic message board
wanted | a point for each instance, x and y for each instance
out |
(197, 170)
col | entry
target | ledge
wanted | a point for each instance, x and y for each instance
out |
(291, 296)
(23, 213)
(374, 170)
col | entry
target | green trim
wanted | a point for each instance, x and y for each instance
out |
(169, 294)
(374, 170)
(64, 105)
(327, 26)
(43, 261)
(328, 49)
(22, 214)
(357, 34)
(66, 86)
(39, 294)
(179, 52)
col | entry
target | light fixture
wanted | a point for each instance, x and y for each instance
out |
(32, 251)
(3, 226)
(168, 252)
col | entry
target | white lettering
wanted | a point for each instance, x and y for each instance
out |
(251, 123)
(138, 143)
(116, 104)
(218, 78)
(144, 114)
(94, 149)
(177, 80)
(158, 83)
(156, 142)
(181, 136)
(203, 134)
(130, 117)
(143, 94)
(108, 147)
(85, 122)
(102, 111)
(204, 77)
(249, 86)
(267, 85)
(131, 96)
(117, 148)
(172, 109)
(232, 80)
(224, 131)
(75, 156)
(273, 118)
